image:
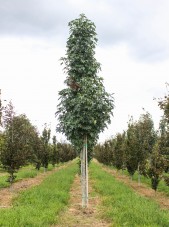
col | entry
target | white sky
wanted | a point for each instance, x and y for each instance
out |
(133, 49)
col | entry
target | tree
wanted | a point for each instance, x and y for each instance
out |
(141, 137)
(1, 108)
(66, 151)
(164, 132)
(45, 143)
(18, 141)
(164, 142)
(164, 104)
(146, 137)
(132, 146)
(55, 154)
(156, 166)
(37, 150)
(85, 107)
(119, 157)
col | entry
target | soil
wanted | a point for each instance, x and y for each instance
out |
(8, 194)
(75, 215)
(142, 189)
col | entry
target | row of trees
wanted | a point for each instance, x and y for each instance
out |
(21, 144)
(140, 148)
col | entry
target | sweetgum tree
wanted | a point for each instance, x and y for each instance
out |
(85, 107)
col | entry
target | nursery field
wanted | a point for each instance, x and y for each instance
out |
(53, 198)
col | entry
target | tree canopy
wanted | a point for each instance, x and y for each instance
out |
(85, 107)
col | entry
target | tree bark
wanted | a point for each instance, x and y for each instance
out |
(84, 174)
(139, 175)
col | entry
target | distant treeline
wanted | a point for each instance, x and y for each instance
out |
(22, 144)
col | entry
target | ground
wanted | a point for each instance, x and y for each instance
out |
(75, 215)
(7, 194)
(142, 189)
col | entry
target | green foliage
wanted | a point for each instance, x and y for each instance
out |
(164, 129)
(156, 168)
(122, 206)
(2, 143)
(166, 179)
(104, 153)
(164, 105)
(140, 140)
(119, 157)
(66, 152)
(132, 148)
(37, 150)
(164, 142)
(1, 108)
(45, 146)
(85, 107)
(55, 154)
(43, 203)
(18, 141)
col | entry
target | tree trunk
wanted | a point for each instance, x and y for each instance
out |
(86, 171)
(84, 174)
(139, 174)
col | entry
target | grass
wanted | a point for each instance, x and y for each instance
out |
(162, 187)
(122, 206)
(41, 205)
(3, 182)
(25, 172)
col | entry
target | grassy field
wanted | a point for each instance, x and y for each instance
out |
(122, 206)
(25, 172)
(41, 205)
(162, 187)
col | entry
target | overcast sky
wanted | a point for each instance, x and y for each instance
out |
(133, 49)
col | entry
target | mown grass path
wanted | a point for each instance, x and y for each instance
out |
(75, 215)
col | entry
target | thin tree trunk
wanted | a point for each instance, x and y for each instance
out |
(84, 174)
(86, 171)
(139, 174)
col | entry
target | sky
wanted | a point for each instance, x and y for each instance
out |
(133, 49)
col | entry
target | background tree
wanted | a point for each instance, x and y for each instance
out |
(104, 152)
(18, 141)
(141, 137)
(66, 152)
(55, 153)
(164, 131)
(119, 157)
(163, 138)
(0, 109)
(45, 149)
(132, 146)
(37, 150)
(164, 104)
(85, 107)
(156, 166)
(146, 137)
